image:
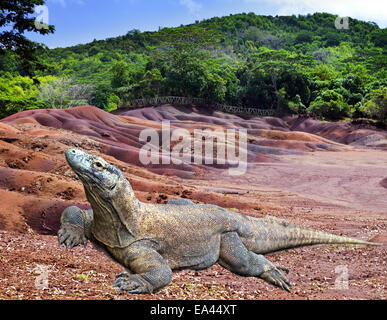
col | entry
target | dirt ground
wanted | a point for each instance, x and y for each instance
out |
(320, 183)
(319, 272)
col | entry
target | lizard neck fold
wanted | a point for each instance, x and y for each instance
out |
(126, 204)
(114, 217)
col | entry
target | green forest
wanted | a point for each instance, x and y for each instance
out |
(293, 64)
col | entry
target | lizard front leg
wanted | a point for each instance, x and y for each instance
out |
(150, 272)
(75, 227)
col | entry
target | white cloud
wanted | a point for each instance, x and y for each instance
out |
(367, 10)
(193, 7)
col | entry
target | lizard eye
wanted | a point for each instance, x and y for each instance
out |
(99, 165)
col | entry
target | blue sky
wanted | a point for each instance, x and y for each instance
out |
(81, 21)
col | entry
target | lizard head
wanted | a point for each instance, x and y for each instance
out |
(95, 173)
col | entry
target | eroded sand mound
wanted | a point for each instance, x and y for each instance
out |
(36, 183)
(355, 134)
(302, 170)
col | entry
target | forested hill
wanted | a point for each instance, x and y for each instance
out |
(241, 31)
(299, 64)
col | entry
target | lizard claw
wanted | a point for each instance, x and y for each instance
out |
(276, 278)
(118, 279)
(279, 267)
(62, 237)
(130, 283)
(84, 242)
(71, 236)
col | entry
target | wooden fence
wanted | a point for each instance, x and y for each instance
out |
(139, 103)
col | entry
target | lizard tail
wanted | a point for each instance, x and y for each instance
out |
(272, 234)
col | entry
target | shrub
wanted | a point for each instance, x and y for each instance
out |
(376, 104)
(329, 105)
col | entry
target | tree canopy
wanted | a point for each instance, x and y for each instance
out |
(295, 64)
(16, 17)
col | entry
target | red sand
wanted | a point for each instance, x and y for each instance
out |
(330, 176)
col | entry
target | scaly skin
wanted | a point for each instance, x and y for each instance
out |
(151, 240)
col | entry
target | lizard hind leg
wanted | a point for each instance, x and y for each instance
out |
(235, 257)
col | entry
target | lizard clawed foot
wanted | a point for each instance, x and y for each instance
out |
(276, 278)
(71, 236)
(131, 283)
(279, 267)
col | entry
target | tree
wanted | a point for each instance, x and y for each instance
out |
(64, 93)
(186, 75)
(221, 60)
(120, 74)
(379, 38)
(16, 14)
(330, 105)
(101, 96)
(296, 105)
(322, 55)
(303, 36)
(18, 93)
(376, 104)
(187, 38)
(152, 83)
(215, 89)
(120, 81)
(275, 63)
